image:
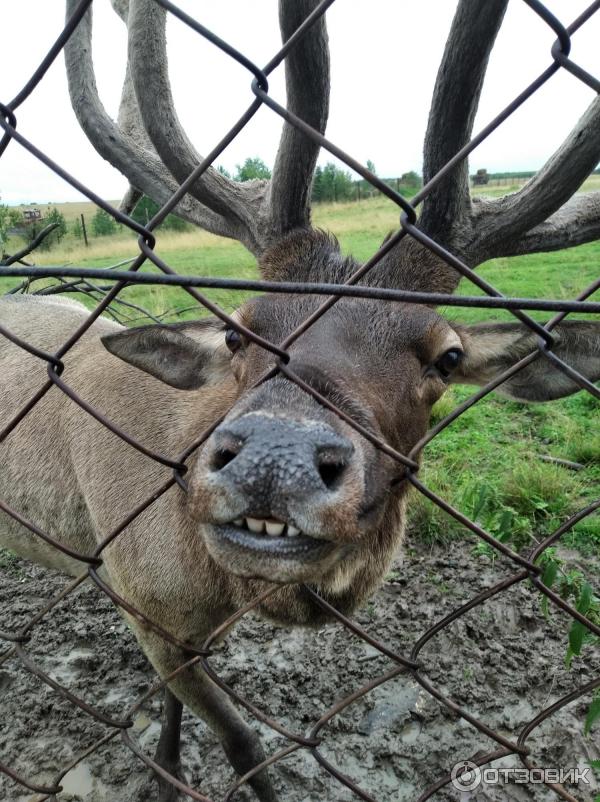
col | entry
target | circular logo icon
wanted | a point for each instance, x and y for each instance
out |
(466, 776)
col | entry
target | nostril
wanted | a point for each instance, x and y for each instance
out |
(331, 472)
(226, 446)
(222, 457)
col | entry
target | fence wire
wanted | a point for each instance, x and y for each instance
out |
(106, 294)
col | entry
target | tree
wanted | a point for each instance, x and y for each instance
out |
(332, 184)
(103, 224)
(411, 179)
(53, 216)
(343, 187)
(9, 218)
(149, 146)
(251, 169)
(318, 190)
(145, 210)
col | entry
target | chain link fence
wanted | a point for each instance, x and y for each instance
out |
(527, 568)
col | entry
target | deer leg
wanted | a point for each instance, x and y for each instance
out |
(239, 741)
(167, 753)
(199, 694)
(244, 750)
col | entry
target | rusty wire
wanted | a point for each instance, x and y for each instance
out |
(114, 280)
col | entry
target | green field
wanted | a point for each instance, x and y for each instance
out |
(497, 188)
(489, 462)
(70, 209)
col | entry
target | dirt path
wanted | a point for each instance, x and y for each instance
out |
(504, 662)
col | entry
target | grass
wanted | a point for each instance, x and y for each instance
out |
(514, 495)
(9, 563)
(487, 463)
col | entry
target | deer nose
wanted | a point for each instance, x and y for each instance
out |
(268, 457)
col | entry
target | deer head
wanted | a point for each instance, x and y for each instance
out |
(286, 489)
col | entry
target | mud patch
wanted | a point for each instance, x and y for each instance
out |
(503, 662)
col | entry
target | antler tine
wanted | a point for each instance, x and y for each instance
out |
(453, 108)
(237, 204)
(141, 166)
(446, 213)
(307, 85)
(515, 223)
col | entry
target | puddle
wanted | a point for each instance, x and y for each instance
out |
(67, 669)
(80, 782)
(150, 734)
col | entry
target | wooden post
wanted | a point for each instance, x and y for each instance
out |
(358, 188)
(85, 239)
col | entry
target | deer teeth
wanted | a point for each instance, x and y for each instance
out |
(270, 526)
(274, 528)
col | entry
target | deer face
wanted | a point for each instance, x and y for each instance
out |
(285, 489)
(290, 488)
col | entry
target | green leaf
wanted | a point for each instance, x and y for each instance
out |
(576, 636)
(479, 502)
(595, 764)
(550, 572)
(505, 526)
(592, 715)
(585, 598)
(569, 657)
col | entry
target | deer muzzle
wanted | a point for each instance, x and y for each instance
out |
(276, 482)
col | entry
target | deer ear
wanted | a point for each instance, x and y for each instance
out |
(492, 348)
(186, 355)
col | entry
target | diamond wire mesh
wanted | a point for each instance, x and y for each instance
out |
(526, 568)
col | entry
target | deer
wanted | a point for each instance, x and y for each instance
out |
(284, 491)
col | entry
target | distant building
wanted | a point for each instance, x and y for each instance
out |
(31, 215)
(480, 177)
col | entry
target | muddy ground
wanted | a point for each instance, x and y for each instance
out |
(504, 662)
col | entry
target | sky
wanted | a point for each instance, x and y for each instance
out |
(385, 55)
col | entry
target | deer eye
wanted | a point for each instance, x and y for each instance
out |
(449, 362)
(233, 340)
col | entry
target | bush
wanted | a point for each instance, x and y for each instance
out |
(54, 216)
(9, 218)
(145, 210)
(103, 224)
(29, 231)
